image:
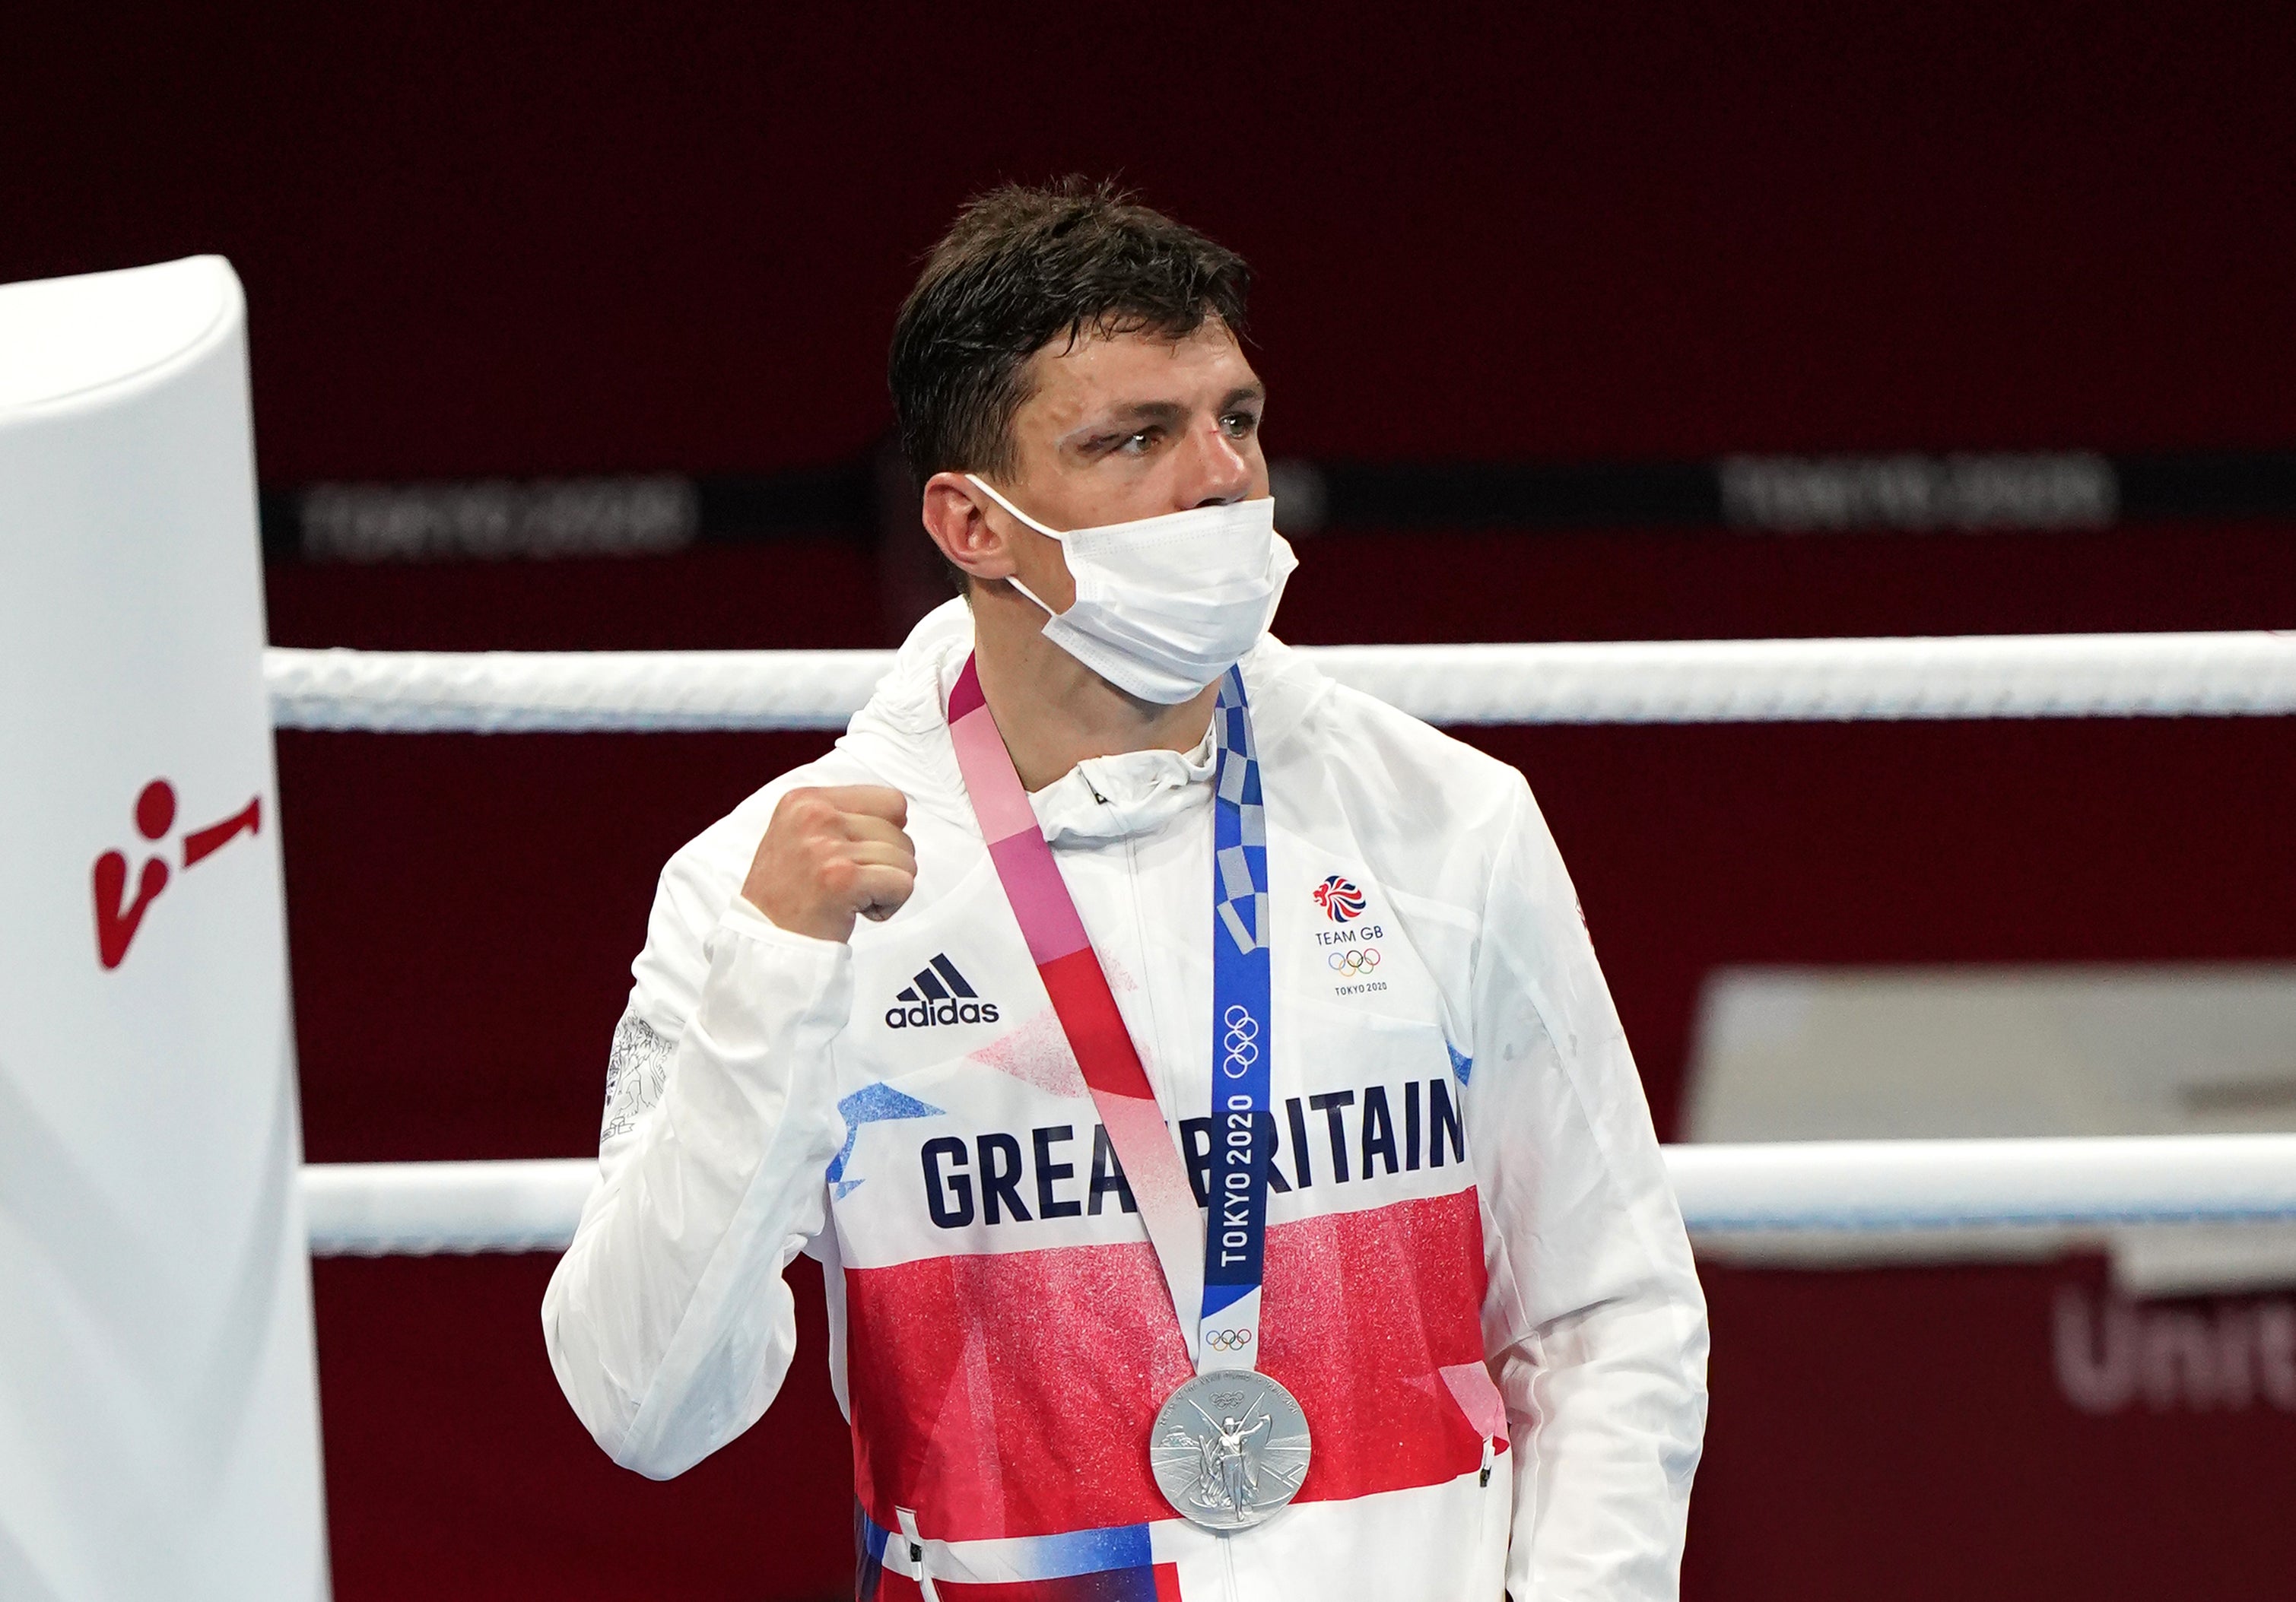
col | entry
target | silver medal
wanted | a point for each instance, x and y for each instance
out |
(1229, 1449)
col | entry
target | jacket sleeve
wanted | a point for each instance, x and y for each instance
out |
(1594, 1324)
(668, 1322)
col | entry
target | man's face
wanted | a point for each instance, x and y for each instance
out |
(1127, 427)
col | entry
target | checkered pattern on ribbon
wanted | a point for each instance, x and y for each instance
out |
(1240, 831)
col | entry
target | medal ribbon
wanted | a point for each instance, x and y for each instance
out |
(1218, 1271)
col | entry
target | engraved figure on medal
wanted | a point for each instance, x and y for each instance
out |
(1230, 1449)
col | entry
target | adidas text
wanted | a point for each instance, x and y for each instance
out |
(939, 995)
(924, 1015)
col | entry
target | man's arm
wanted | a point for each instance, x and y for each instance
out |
(1595, 1323)
(668, 1322)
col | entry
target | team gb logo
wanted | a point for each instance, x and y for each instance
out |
(1340, 900)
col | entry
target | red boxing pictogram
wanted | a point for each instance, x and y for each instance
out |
(116, 918)
(116, 923)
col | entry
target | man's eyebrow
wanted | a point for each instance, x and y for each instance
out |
(1171, 414)
(1128, 417)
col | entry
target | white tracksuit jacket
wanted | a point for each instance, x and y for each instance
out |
(1477, 1281)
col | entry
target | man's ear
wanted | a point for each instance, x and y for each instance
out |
(957, 516)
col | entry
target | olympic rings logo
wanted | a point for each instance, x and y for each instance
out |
(1360, 961)
(1229, 1340)
(1240, 1043)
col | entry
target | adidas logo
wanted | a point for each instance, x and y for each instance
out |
(939, 995)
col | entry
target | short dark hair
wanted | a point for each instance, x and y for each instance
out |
(1021, 267)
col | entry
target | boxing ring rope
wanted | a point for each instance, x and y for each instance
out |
(422, 1208)
(1683, 681)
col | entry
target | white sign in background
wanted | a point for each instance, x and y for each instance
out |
(1961, 1051)
(159, 1420)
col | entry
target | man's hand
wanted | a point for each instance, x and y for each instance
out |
(832, 853)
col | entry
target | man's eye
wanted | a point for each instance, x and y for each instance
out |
(1136, 443)
(1240, 423)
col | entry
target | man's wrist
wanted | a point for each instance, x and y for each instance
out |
(745, 917)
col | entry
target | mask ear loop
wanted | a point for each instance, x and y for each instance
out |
(1050, 534)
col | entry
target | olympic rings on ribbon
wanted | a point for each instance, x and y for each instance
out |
(1360, 961)
(1240, 1042)
(1229, 1340)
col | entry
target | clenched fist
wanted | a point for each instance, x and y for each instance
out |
(829, 855)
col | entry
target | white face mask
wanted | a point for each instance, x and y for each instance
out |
(1166, 605)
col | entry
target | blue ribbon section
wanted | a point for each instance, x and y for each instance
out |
(1243, 1125)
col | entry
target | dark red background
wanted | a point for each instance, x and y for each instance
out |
(563, 241)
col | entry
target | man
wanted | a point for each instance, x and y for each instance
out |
(1195, 1078)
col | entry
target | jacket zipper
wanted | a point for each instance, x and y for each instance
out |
(1160, 1078)
(1483, 1496)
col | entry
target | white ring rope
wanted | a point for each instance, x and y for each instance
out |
(1875, 1185)
(372, 1209)
(1679, 682)
(422, 1209)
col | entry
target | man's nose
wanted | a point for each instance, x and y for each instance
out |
(1219, 473)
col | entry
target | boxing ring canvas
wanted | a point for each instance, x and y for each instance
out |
(159, 1425)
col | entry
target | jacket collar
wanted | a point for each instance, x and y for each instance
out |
(902, 735)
